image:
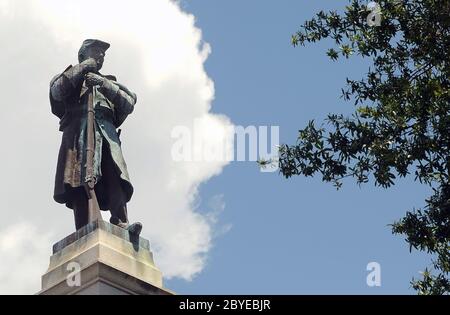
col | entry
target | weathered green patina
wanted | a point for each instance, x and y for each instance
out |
(113, 102)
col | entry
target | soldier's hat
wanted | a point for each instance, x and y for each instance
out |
(91, 43)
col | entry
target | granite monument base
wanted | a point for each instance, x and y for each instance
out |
(102, 259)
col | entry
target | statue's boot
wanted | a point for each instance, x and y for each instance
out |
(135, 228)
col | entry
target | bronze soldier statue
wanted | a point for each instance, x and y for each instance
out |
(71, 92)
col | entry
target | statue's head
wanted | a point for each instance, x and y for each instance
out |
(93, 48)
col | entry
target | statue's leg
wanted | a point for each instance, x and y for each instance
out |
(80, 207)
(115, 194)
(119, 215)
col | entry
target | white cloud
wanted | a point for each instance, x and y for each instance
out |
(158, 52)
(217, 205)
(23, 251)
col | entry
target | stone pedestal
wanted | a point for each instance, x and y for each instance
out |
(102, 259)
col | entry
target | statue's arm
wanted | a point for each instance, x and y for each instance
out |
(63, 85)
(123, 99)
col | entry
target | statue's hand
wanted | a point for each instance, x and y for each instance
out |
(93, 79)
(89, 65)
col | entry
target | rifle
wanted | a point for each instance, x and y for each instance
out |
(94, 213)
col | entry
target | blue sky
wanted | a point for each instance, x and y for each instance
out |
(296, 236)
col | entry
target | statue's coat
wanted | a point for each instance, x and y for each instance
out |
(112, 104)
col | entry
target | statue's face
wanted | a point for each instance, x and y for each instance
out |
(98, 54)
